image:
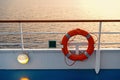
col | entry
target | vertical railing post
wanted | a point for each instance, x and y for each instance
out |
(21, 35)
(97, 65)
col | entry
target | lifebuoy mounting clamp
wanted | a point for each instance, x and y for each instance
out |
(82, 56)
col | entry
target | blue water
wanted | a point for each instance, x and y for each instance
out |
(60, 74)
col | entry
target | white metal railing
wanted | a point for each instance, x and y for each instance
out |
(55, 21)
(99, 43)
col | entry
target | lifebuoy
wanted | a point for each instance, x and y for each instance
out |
(73, 56)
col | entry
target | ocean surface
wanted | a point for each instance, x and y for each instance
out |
(51, 13)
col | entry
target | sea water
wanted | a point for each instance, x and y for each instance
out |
(50, 13)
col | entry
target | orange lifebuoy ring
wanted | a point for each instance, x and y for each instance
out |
(83, 55)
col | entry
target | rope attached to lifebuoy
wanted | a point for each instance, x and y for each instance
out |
(85, 54)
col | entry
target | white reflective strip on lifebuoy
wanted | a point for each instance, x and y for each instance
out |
(68, 55)
(67, 35)
(86, 53)
(88, 36)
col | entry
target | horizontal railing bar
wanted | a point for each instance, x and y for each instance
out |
(8, 33)
(35, 43)
(105, 32)
(50, 49)
(82, 43)
(43, 32)
(65, 33)
(14, 44)
(2, 33)
(103, 43)
(109, 43)
(11, 21)
(11, 44)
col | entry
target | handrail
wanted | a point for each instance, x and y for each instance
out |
(64, 32)
(16, 21)
(47, 21)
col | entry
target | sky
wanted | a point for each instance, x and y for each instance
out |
(45, 3)
(64, 3)
(110, 8)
